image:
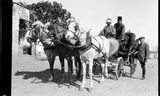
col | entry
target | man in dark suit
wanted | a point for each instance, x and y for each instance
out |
(120, 28)
(142, 54)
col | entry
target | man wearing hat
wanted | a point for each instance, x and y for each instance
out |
(108, 31)
(142, 54)
(120, 28)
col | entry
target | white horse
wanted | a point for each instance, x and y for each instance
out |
(24, 42)
(100, 47)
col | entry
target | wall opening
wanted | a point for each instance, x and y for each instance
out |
(23, 25)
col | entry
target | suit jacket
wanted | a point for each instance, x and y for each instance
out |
(143, 52)
(120, 30)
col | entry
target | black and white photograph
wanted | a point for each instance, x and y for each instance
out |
(84, 48)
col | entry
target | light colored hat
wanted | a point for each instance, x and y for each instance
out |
(109, 20)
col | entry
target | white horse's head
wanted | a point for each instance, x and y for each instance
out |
(33, 33)
(83, 37)
(80, 35)
(24, 42)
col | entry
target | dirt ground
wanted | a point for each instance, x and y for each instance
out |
(29, 78)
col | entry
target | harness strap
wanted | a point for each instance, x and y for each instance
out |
(103, 42)
(98, 43)
(98, 48)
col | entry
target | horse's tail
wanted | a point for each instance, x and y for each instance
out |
(114, 45)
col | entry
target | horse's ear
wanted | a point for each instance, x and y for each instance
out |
(89, 32)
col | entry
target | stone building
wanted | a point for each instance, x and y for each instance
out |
(20, 15)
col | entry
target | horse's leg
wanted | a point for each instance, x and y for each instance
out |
(91, 74)
(103, 72)
(51, 59)
(70, 69)
(84, 76)
(78, 66)
(106, 66)
(51, 63)
(61, 58)
(132, 66)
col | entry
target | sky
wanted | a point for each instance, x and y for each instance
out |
(139, 16)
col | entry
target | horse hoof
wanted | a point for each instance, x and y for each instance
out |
(78, 78)
(90, 89)
(116, 77)
(106, 75)
(70, 86)
(50, 79)
(81, 89)
(59, 85)
(100, 82)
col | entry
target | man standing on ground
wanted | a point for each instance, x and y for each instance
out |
(142, 54)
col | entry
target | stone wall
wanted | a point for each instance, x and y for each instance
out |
(15, 30)
(16, 15)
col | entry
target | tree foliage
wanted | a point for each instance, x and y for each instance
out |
(47, 11)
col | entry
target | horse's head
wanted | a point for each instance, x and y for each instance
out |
(25, 41)
(56, 29)
(128, 40)
(131, 37)
(84, 37)
(75, 36)
(125, 39)
(33, 34)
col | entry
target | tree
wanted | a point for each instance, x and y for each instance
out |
(47, 11)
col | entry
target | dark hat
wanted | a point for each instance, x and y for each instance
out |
(119, 17)
(141, 38)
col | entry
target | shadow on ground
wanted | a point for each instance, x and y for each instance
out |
(43, 76)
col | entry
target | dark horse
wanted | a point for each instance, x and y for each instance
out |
(134, 50)
(64, 52)
(126, 46)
